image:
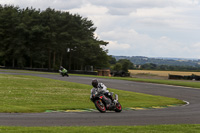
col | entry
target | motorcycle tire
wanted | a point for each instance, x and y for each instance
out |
(118, 107)
(100, 106)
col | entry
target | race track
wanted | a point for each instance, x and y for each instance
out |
(188, 114)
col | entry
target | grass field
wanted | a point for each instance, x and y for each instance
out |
(161, 73)
(106, 129)
(34, 94)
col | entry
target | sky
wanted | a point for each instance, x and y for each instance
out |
(152, 28)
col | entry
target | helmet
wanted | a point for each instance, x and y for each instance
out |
(94, 83)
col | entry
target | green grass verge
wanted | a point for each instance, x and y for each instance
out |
(107, 129)
(25, 71)
(34, 94)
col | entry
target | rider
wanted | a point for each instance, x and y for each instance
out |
(63, 70)
(100, 87)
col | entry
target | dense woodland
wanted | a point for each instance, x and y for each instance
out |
(48, 39)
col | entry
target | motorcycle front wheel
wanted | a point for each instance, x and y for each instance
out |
(100, 106)
(118, 107)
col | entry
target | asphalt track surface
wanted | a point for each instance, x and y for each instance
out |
(187, 114)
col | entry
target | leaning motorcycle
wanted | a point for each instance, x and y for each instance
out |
(63, 73)
(101, 101)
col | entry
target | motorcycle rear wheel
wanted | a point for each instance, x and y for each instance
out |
(100, 106)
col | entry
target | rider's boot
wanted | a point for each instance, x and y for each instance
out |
(110, 106)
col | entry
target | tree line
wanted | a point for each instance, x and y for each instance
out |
(125, 64)
(152, 66)
(33, 38)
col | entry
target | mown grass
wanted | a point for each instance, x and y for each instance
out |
(25, 71)
(107, 129)
(34, 94)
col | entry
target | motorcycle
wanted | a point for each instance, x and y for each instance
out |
(101, 103)
(63, 73)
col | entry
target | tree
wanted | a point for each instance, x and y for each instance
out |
(149, 66)
(112, 60)
(126, 64)
(9, 19)
(117, 67)
(49, 38)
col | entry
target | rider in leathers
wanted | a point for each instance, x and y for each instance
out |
(64, 71)
(100, 87)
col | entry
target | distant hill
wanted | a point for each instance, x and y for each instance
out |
(139, 60)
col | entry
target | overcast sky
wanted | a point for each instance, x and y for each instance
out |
(152, 28)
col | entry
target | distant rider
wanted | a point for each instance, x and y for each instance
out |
(63, 70)
(101, 88)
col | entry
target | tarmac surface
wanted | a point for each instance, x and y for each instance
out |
(186, 114)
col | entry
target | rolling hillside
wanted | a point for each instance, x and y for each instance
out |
(139, 60)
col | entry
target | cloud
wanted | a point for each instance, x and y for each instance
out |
(91, 10)
(156, 12)
(43, 4)
(196, 45)
(114, 45)
(144, 45)
(118, 6)
(168, 16)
